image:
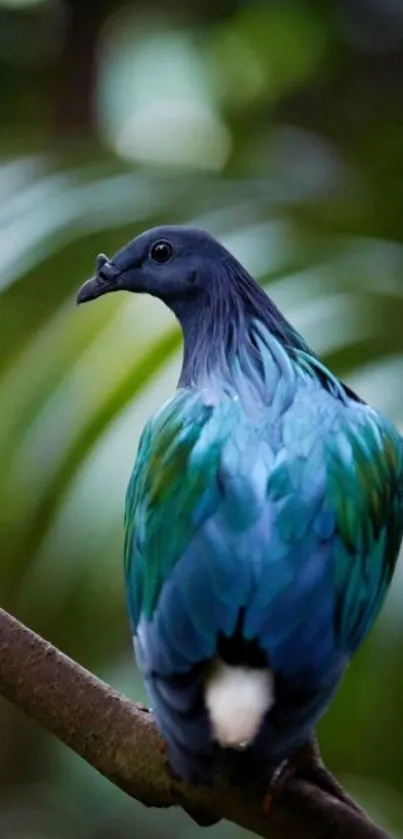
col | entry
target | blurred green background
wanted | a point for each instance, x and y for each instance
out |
(279, 127)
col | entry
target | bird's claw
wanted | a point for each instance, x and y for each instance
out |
(278, 781)
(305, 763)
(284, 772)
(163, 750)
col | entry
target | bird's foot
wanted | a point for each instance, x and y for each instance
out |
(305, 763)
(163, 750)
(283, 773)
(202, 817)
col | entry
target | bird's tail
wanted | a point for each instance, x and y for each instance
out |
(237, 698)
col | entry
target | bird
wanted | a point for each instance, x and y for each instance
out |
(263, 517)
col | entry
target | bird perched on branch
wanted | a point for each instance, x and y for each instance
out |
(263, 519)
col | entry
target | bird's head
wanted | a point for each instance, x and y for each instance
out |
(211, 294)
(175, 264)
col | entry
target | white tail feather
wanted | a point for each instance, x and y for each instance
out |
(237, 698)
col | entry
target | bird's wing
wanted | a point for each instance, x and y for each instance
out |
(365, 488)
(173, 491)
(335, 505)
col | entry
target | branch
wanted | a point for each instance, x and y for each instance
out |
(120, 740)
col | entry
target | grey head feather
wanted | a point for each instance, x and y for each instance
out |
(214, 298)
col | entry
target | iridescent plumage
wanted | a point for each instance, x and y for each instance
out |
(263, 517)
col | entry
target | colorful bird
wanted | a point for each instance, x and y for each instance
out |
(263, 520)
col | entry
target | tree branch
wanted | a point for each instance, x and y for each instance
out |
(119, 739)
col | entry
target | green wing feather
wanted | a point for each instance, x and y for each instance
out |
(365, 487)
(173, 481)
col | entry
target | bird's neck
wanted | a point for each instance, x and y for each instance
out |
(210, 343)
(237, 339)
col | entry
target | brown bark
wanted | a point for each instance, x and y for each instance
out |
(119, 739)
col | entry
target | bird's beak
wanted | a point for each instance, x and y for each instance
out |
(105, 280)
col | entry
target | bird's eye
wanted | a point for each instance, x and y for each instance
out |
(161, 251)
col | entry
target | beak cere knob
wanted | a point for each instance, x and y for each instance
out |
(107, 271)
(101, 260)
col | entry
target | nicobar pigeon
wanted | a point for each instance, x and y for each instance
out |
(263, 520)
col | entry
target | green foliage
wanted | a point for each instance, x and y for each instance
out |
(309, 197)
